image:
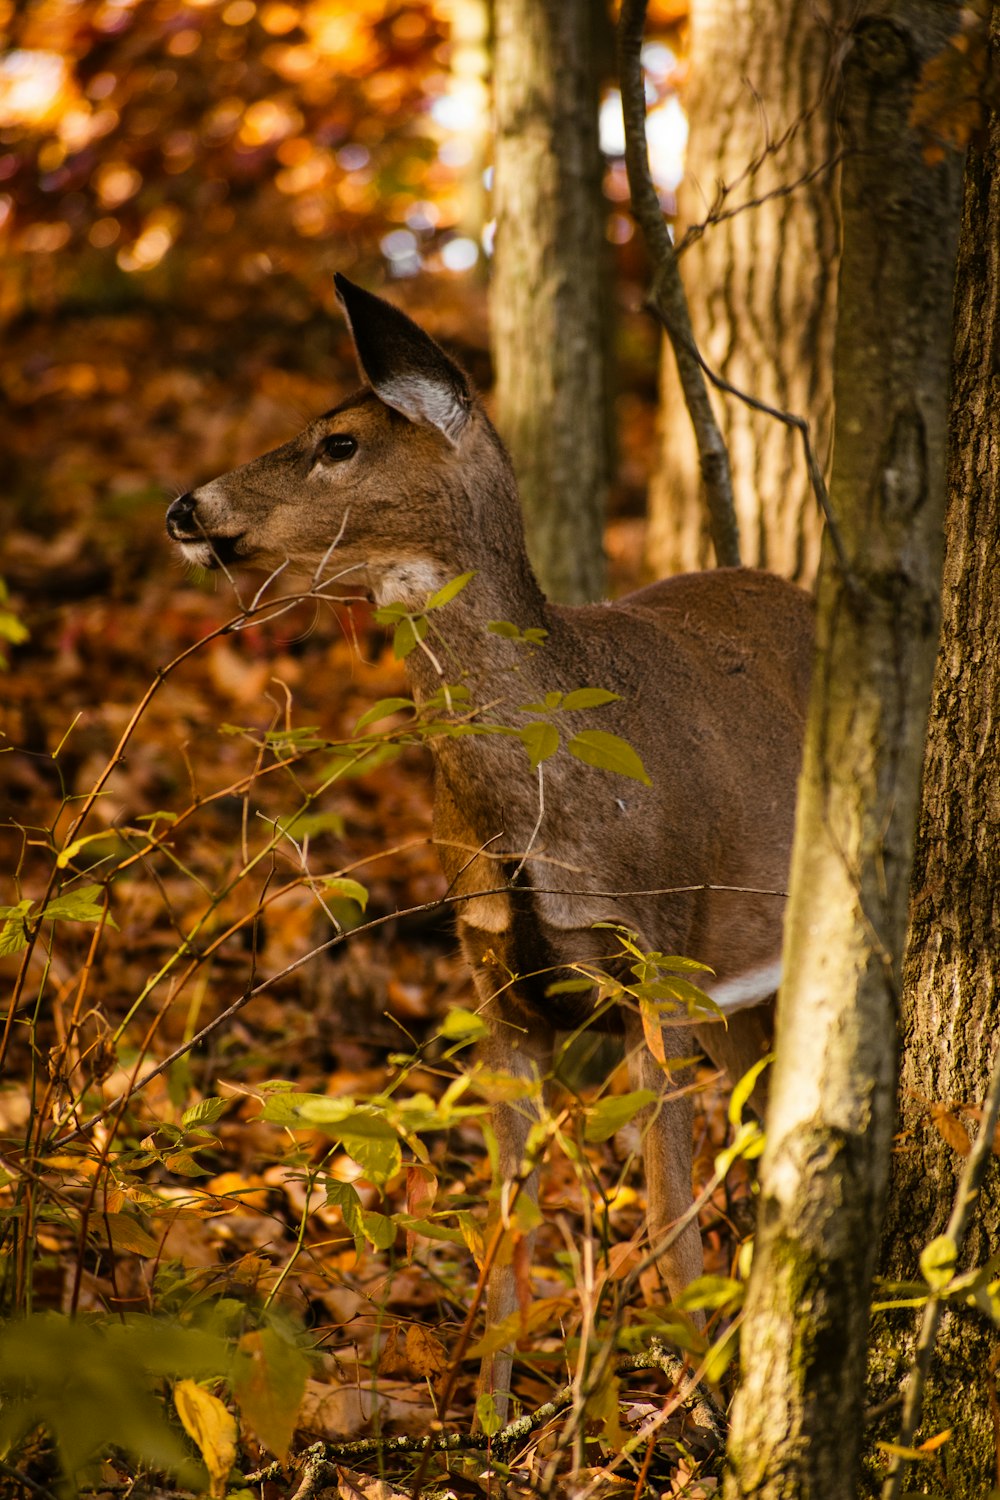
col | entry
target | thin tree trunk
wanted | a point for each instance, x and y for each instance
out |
(549, 285)
(762, 283)
(797, 1423)
(951, 994)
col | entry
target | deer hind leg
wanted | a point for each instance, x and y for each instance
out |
(666, 1127)
(736, 1046)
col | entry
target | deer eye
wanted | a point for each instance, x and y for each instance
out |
(335, 448)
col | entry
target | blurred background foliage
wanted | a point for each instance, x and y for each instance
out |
(178, 183)
(225, 155)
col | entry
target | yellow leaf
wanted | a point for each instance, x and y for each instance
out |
(950, 1128)
(213, 1427)
(937, 1441)
(652, 1030)
(424, 1353)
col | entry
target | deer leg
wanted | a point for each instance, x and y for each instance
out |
(666, 1128)
(530, 1059)
(736, 1046)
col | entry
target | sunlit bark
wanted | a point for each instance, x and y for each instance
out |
(550, 282)
(762, 284)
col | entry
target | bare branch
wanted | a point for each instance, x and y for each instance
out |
(666, 296)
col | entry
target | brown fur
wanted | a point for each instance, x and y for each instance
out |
(712, 671)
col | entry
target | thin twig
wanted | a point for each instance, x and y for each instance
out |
(789, 419)
(966, 1196)
(538, 824)
(667, 291)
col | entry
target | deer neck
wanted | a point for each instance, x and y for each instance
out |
(482, 534)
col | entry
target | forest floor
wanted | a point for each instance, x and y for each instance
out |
(197, 878)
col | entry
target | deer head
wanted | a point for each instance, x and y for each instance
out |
(400, 487)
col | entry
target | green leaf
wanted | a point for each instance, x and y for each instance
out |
(588, 698)
(66, 1376)
(595, 747)
(463, 1026)
(407, 634)
(379, 1157)
(285, 1108)
(937, 1262)
(365, 1134)
(610, 1114)
(382, 710)
(79, 905)
(748, 1144)
(341, 887)
(709, 1293)
(570, 986)
(445, 594)
(344, 1195)
(540, 739)
(185, 1164)
(379, 1229)
(720, 1356)
(305, 738)
(205, 1112)
(390, 614)
(505, 628)
(12, 628)
(67, 855)
(14, 933)
(269, 1382)
(487, 1415)
(302, 825)
(671, 991)
(125, 1234)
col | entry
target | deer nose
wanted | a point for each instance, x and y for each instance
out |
(180, 516)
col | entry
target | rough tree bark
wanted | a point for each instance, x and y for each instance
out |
(797, 1422)
(951, 992)
(549, 284)
(762, 283)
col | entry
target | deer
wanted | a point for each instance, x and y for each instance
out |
(405, 486)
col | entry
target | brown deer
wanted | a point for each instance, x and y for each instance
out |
(406, 485)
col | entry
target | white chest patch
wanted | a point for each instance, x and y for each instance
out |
(407, 582)
(743, 990)
(490, 913)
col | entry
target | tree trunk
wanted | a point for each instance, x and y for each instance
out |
(762, 284)
(797, 1422)
(951, 994)
(549, 285)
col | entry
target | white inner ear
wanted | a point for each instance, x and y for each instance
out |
(424, 400)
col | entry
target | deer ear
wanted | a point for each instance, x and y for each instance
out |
(403, 365)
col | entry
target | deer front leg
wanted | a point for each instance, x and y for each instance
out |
(666, 1129)
(521, 1052)
(512, 1123)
